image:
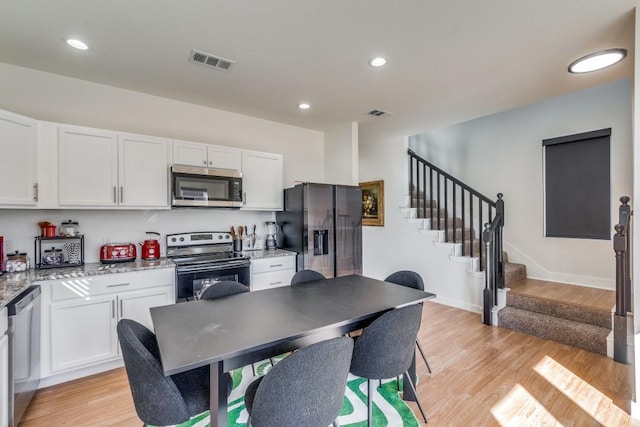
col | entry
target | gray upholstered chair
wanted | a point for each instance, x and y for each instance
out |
(410, 279)
(161, 400)
(305, 389)
(226, 288)
(222, 289)
(385, 349)
(304, 276)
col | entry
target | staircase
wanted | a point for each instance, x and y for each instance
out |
(538, 313)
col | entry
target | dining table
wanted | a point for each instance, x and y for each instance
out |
(237, 330)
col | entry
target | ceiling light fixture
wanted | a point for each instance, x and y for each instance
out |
(77, 44)
(378, 61)
(304, 106)
(597, 61)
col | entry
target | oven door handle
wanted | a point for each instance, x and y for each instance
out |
(209, 267)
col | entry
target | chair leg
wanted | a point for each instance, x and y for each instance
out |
(335, 423)
(272, 362)
(248, 421)
(423, 356)
(370, 403)
(253, 368)
(413, 388)
(398, 382)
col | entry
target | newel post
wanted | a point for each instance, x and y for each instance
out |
(620, 317)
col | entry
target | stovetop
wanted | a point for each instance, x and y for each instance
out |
(210, 247)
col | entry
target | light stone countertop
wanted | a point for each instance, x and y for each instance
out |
(12, 284)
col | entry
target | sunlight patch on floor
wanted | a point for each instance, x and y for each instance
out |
(520, 408)
(583, 394)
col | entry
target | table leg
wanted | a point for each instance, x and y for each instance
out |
(407, 393)
(218, 398)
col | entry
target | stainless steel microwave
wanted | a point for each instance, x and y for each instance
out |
(205, 187)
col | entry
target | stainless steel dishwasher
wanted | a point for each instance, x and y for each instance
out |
(24, 351)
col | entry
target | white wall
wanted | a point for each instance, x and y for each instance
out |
(46, 96)
(341, 154)
(503, 153)
(55, 98)
(399, 245)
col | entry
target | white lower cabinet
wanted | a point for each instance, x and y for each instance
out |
(4, 369)
(82, 332)
(273, 272)
(80, 315)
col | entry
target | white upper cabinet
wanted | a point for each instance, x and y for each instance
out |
(262, 180)
(99, 168)
(18, 160)
(205, 155)
(87, 167)
(143, 165)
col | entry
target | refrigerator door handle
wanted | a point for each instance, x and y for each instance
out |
(320, 242)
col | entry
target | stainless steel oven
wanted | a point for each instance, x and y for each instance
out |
(205, 187)
(204, 259)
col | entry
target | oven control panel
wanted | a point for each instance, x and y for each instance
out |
(197, 239)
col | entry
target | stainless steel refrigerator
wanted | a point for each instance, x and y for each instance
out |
(323, 223)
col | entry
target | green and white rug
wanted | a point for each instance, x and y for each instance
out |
(389, 409)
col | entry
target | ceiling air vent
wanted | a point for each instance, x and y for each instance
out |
(209, 60)
(378, 113)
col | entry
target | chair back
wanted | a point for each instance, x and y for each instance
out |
(305, 389)
(223, 289)
(386, 347)
(304, 276)
(157, 399)
(407, 278)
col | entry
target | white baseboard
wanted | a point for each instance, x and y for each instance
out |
(458, 304)
(79, 373)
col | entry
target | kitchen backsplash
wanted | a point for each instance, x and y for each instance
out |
(20, 226)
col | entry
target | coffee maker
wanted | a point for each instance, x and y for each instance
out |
(270, 235)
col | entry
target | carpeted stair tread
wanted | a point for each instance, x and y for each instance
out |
(576, 334)
(589, 315)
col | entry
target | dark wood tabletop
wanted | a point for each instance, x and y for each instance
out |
(233, 331)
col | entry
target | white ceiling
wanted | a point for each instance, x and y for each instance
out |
(448, 61)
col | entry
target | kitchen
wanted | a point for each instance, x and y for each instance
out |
(117, 224)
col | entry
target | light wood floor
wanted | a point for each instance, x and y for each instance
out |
(482, 376)
(601, 299)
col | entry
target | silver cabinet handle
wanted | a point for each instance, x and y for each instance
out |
(115, 200)
(274, 283)
(35, 192)
(275, 265)
(210, 163)
(244, 199)
(204, 162)
(119, 284)
(121, 310)
(121, 194)
(113, 309)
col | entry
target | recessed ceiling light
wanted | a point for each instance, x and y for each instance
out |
(77, 44)
(378, 61)
(304, 106)
(597, 61)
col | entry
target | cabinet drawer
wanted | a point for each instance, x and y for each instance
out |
(272, 279)
(85, 287)
(266, 265)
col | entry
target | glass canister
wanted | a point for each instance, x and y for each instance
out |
(53, 256)
(69, 229)
(18, 261)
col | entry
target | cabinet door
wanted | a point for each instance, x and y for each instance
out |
(143, 171)
(83, 332)
(87, 167)
(136, 305)
(223, 157)
(262, 176)
(189, 153)
(18, 139)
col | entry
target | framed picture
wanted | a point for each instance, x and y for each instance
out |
(373, 203)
